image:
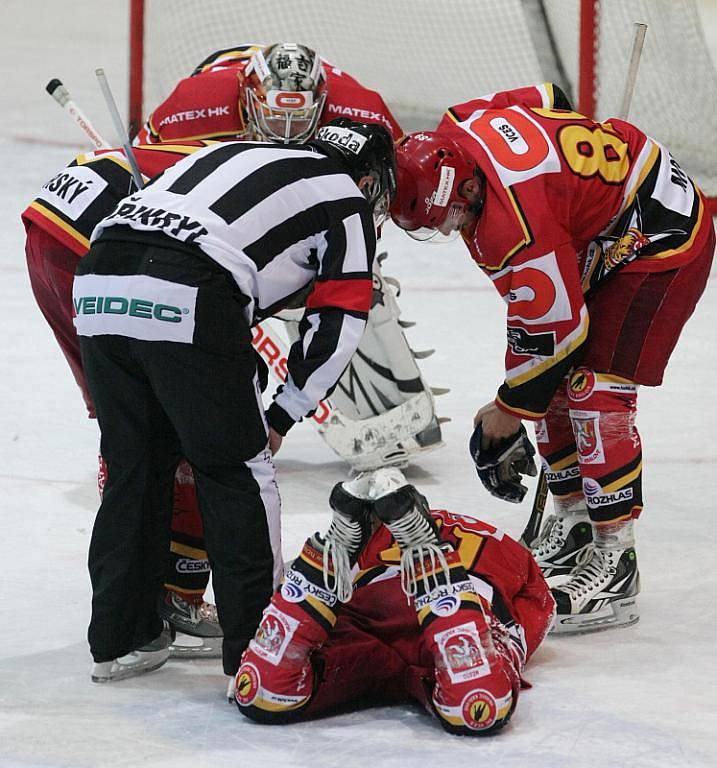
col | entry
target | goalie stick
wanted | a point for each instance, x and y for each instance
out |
(535, 521)
(61, 95)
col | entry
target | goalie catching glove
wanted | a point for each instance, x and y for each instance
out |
(501, 466)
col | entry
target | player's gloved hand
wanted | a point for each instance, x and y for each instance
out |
(501, 466)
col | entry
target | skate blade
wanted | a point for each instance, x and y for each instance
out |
(192, 647)
(124, 671)
(621, 613)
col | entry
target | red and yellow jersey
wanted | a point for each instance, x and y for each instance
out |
(567, 202)
(208, 103)
(501, 570)
(71, 203)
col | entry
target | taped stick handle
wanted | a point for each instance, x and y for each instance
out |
(61, 95)
(119, 126)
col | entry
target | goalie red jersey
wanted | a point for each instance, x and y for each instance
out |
(212, 102)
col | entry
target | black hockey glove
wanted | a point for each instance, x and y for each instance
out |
(500, 467)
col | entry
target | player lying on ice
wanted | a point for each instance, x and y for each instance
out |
(395, 603)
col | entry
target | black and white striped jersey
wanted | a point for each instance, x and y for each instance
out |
(275, 217)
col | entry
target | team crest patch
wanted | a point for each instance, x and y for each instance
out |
(586, 428)
(246, 686)
(274, 635)
(463, 653)
(479, 710)
(582, 384)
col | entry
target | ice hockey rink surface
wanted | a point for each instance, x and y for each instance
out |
(644, 697)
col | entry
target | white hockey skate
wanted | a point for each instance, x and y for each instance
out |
(145, 659)
(601, 592)
(565, 535)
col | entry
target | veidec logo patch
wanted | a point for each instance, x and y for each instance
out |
(133, 307)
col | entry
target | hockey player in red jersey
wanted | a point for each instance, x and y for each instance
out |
(281, 92)
(601, 246)
(59, 223)
(397, 603)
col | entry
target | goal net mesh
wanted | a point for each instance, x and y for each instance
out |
(423, 55)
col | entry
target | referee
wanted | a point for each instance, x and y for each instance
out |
(164, 303)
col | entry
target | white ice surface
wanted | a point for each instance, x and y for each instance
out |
(644, 696)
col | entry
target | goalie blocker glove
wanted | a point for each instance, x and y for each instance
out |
(501, 466)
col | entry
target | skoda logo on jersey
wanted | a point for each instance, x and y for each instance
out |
(446, 606)
(342, 137)
(291, 592)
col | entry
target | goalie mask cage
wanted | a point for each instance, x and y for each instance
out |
(423, 56)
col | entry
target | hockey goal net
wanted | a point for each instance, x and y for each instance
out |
(424, 55)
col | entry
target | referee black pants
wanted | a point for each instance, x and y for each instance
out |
(157, 401)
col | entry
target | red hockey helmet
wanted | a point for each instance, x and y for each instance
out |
(430, 170)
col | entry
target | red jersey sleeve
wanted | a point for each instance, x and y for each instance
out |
(203, 106)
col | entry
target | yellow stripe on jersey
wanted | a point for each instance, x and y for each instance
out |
(566, 462)
(685, 246)
(61, 223)
(179, 149)
(623, 481)
(193, 552)
(88, 160)
(553, 114)
(270, 706)
(534, 371)
(322, 608)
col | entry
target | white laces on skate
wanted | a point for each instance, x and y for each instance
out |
(342, 541)
(551, 539)
(417, 542)
(594, 569)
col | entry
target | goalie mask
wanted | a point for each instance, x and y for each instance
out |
(431, 171)
(285, 91)
(367, 150)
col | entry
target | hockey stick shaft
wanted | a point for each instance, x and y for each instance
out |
(119, 126)
(61, 95)
(535, 521)
(635, 54)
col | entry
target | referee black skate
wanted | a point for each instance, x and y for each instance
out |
(164, 304)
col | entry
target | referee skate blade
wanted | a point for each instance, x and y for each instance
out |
(621, 613)
(113, 671)
(191, 647)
